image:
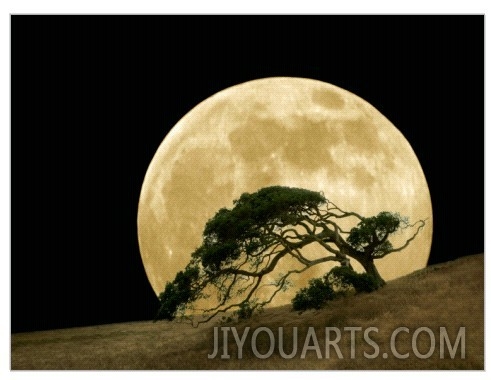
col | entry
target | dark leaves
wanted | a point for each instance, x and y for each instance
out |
(178, 293)
(241, 229)
(370, 235)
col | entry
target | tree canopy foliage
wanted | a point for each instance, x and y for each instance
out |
(242, 247)
(338, 281)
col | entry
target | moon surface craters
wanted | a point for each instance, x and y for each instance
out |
(328, 99)
(276, 131)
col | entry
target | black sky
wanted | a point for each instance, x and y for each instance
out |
(93, 97)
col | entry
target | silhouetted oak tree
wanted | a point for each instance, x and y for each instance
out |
(242, 246)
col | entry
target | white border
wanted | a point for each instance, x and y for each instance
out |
(250, 6)
(203, 7)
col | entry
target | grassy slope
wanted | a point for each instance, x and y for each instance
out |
(449, 294)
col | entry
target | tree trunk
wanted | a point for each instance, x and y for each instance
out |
(371, 269)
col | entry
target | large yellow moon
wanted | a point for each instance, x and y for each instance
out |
(278, 131)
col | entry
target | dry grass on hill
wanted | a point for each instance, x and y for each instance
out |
(449, 295)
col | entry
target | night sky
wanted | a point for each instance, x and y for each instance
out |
(93, 97)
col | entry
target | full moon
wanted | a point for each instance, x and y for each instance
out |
(278, 131)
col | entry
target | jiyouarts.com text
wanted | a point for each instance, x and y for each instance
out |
(288, 343)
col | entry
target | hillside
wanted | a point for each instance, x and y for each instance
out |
(448, 295)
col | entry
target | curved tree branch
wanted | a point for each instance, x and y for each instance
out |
(245, 244)
(422, 224)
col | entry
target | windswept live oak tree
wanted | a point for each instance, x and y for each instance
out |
(242, 247)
